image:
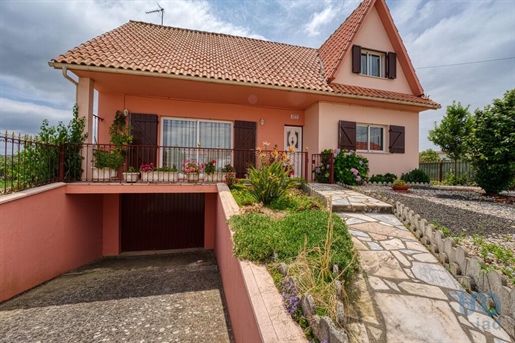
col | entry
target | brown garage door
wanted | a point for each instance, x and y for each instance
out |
(162, 221)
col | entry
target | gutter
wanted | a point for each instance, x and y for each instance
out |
(57, 65)
(67, 77)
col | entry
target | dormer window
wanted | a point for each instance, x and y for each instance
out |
(374, 63)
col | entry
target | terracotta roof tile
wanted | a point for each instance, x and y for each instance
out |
(382, 94)
(138, 46)
(334, 48)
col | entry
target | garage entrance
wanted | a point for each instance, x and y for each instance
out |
(162, 221)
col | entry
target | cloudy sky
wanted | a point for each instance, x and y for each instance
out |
(447, 40)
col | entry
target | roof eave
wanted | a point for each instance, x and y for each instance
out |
(72, 67)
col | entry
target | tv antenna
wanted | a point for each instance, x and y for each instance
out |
(162, 10)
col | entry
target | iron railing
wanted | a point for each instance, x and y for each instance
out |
(322, 168)
(26, 163)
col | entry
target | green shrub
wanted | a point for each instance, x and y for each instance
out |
(416, 175)
(379, 178)
(257, 237)
(350, 168)
(270, 182)
(453, 180)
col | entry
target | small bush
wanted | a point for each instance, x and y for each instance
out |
(453, 180)
(416, 175)
(379, 178)
(270, 182)
(350, 168)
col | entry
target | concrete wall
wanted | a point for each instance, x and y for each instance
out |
(255, 306)
(44, 233)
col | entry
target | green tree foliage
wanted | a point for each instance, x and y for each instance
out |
(453, 131)
(492, 144)
(38, 163)
(428, 156)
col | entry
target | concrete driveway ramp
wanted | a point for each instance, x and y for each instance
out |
(159, 298)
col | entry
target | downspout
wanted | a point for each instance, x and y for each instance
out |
(66, 76)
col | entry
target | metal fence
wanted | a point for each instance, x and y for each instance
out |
(322, 168)
(438, 171)
(26, 163)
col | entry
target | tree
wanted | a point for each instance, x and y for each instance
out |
(428, 156)
(492, 144)
(452, 133)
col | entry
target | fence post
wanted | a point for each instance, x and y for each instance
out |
(306, 161)
(61, 162)
(440, 176)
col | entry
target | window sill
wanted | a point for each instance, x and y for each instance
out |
(375, 77)
(372, 152)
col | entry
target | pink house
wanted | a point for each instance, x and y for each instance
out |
(358, 90)
(183, 87)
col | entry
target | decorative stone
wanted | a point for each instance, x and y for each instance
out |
(474, 268)
(340, 313)
(338, 288)
(467, 282)
(461, 257)
(314, 323)
(508, 324)
(283, 268)
(336, 270)
(443, 257)
(434, 274)
(455, 269)
(308, 305)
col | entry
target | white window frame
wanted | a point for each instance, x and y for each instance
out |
(161, 130)
(367, 66)
(368, 126)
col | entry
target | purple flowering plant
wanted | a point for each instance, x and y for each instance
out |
(350, 168)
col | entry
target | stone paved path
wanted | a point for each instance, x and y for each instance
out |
(413, 298)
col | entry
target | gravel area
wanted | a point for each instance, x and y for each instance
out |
(463, 212)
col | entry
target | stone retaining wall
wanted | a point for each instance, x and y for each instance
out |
(489, 288)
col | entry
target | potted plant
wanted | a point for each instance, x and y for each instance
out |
(131, 175)
(113, 158)
(209, 171)
(165, 174)
(106, 164)
(147, 172)
(228, 169)
(400, 186)
(191, 170)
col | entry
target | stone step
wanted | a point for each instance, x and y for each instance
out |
(363, 208)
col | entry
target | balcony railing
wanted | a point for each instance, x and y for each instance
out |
(25, 163)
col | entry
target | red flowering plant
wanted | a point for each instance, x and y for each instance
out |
(209, 167)
(147, 167)
(191, 166)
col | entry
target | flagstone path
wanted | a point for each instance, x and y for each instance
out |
(412, 297)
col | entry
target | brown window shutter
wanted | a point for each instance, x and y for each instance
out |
(356, 59)
(392, 65)
(347, 135)
(397, 139)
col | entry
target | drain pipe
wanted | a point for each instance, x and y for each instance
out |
(66, 76)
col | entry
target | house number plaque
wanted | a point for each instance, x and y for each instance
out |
(295, 116)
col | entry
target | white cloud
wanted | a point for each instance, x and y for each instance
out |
(318, 20)
(26, 118)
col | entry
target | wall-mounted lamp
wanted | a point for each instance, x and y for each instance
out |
(262, 122)
(126, 112)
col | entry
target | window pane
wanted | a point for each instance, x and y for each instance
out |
(215, 135)
(376, 138)
(364, 64)
(375, 65)
(361, 138)
(178, 133)
(181, 133)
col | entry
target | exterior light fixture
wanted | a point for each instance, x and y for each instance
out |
(262, 122)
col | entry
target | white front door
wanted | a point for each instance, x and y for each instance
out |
(293, 137)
